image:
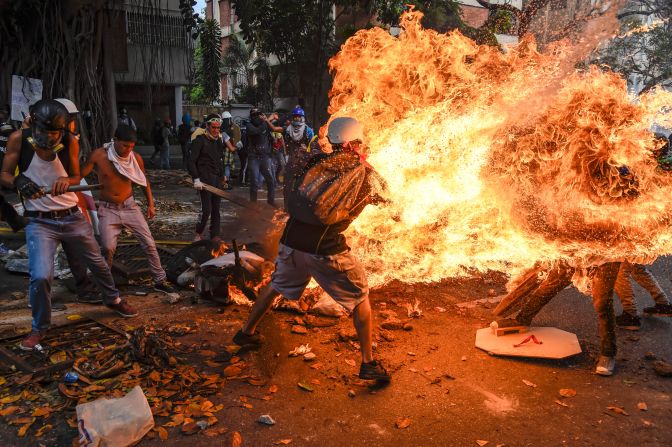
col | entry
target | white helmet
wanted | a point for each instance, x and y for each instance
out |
(343, 130)
(72, 108)
(226, 115)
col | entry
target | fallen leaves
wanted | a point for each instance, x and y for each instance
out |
(42, 430)
(236, 439)
(9, 410)
(58, 357)
(42, 411)
(482, 443)
(213, 432)
(530, 384)
(561, 403)
(283, 442)
(642, 406)
(351, 362)
(163, 433)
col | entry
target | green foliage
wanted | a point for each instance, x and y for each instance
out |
(209, 59)
(642, 52)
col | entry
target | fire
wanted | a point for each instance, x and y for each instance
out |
(497, 160)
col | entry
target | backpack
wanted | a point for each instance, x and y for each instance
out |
(328, 190)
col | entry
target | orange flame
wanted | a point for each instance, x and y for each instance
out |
(497, 160)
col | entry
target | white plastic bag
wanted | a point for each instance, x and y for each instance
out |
(114, 422)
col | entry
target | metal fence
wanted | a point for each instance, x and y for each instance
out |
(157, 29)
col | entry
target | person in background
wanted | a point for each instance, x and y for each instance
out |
(157, 139)
(298, 138)
(166, 133)
(124, 118)
(207, 168)
(184, 137)
(260, 153)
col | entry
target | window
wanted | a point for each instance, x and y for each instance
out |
(157, 29)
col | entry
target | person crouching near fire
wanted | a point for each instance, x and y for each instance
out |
(313, 245)
(118, 168)
(53, 217)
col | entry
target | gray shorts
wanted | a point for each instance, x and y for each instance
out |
(340, 275)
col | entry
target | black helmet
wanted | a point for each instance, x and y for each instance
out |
(49, 114)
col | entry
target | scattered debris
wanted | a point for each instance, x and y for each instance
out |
(300, 350)
(567, 392)
(283, 442)
(642, 406)
(351, 362)
(122, 421)
(326, 306)
(402, 423)
(351, 393)
(414, 310)
(561, 403)
(482, 443)
(530, 384)
(662, 368)
(392, 324)
(266, 419)
(296, 329)
(618, 410)
(305, 387)
(440, 309)
(464, 358)
(309, 356)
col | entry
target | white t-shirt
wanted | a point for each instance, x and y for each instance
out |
(44, 173)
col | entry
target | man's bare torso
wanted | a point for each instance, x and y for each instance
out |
(116, 187)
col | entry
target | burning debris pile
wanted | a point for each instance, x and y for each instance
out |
(495, 160)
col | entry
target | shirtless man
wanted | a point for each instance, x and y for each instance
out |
(118, 168)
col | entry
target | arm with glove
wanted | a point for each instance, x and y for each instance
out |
(196, 147)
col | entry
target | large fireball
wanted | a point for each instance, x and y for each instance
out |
(496, 160)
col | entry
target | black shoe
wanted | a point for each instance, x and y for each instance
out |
(374, 370)
(165, 287)
(663, 310)
(628, 321)
(90, 298)
(242, 339)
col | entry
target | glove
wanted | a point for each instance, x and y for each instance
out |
(198, 184)
(239, 145)
(27, 188)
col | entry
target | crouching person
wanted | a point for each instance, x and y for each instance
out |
(118, 168)
(313, 245)
(54, 217)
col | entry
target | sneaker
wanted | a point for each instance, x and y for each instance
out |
(90, 298)
(243, 339)
(124, 309)
(373, 370)
(663, 310)
(165, 287)
(628, 321)
(605, 365)
(30, 342)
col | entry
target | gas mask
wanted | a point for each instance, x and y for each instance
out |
(50, 140)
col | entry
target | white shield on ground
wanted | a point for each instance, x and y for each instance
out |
(555, 343)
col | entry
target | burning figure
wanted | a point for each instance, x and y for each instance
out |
(326, 196)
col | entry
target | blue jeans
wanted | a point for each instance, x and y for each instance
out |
(43, 237)
(263, 164)
(227, 173)
(165, 156)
